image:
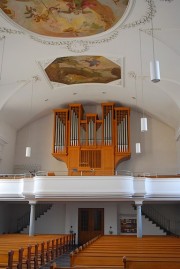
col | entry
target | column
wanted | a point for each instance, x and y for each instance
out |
(139, 219)
(32, 219)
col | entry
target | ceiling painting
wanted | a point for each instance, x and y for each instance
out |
(65, 18)
(83, 69)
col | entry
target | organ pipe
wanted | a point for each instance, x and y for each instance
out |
(122, 134)
(90, 139)
(60, 135)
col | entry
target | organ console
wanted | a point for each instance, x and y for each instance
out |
(90, 145)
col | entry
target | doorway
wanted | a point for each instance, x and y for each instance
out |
(90, 223)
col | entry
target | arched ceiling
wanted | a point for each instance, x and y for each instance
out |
(53, 53)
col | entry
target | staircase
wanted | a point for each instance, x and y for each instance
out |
(168, 226)
(24, 220)
(150, 226)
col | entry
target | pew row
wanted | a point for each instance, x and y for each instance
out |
(54, 266)
(151, 262)
(108, 251)
(32, 252)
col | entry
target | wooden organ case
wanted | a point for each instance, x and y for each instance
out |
(89, 145)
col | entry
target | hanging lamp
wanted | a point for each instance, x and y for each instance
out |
(28, 148)
(2, 55)
(144, 126)
(138, 148)
(28, 151)
(138, 144)
(154, 64)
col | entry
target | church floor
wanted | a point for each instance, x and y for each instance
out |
(62, 261)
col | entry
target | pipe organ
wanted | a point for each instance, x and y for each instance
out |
(89, 145)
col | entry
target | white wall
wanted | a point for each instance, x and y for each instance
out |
(62, 216)
(8, 134)
(158, 147)
(56, 220)
(40, 139)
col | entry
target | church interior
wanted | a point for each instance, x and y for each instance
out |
(90, 128)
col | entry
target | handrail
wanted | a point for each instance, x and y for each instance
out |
(154, 175)
(23, 221)
(15, 176)
(91, 172)
(167, 224)
(82, 173)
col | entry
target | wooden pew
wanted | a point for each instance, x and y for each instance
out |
(34, 251)
(151, 262)
(92, 260)
(6, 260)
(54, 266)
(109, 251)
(12, 259)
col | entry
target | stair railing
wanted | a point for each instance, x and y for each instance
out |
(165, 223)
(24, 220)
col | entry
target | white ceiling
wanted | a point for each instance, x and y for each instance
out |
(23, 55)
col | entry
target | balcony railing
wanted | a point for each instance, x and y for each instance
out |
(89, 172)
(15, 176)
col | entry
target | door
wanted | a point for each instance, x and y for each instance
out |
(90, 223)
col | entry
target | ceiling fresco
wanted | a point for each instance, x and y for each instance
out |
(65, 18)
(83, 69)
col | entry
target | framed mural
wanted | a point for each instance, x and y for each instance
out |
(71, 70)
(128, 225)
(83, 69)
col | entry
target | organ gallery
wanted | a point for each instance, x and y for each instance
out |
(90, 145)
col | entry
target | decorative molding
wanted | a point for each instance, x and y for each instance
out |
(169, 1)
(11, 31)
(132, 74)
(151, 10)
(149, 31)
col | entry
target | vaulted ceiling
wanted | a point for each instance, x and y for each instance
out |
(53, 53)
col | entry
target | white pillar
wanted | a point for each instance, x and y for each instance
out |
(139, 219)
(32, 219)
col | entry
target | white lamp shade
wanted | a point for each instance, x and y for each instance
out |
(144, 125)
(28, 151)
(155, 71)
(138, 148)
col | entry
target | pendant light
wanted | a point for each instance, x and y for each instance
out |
(133, 75)
(2, 55)
(28, 148)
(138, 148)
(138, 145)
(154, 64)
(28, 151)
(144, 126)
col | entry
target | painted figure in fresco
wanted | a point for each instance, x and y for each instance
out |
(93, 62)
(79, 6)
